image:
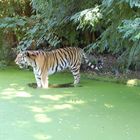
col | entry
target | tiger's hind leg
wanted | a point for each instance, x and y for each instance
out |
(76, 79)
(76, 74)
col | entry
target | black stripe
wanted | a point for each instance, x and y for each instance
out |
(74, 69)
(39, 78)
(61, 67)
(94, 66)
(65, 55)
(53, 65)
(65, 61)
(70, 56)
(75, 75)
(57, 62)
(74, 65)
(62, 58)
(35, 64)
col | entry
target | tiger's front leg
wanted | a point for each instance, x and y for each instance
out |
(38, 79)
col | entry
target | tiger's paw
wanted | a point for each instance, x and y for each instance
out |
(33, 85)
(77, 85)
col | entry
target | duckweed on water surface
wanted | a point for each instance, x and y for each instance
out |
(94, 110)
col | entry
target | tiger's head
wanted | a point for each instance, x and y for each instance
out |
(25, 59)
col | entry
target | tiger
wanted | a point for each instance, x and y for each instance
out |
(46, 63)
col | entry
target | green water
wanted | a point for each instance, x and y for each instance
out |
(94, 111)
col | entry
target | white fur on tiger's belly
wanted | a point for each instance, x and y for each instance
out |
(53, 70)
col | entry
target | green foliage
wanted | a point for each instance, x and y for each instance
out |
(5, 52)
(132, 3)
(10, 8)
(52, 22)
(57, 16)
(13, 22)
(130, 29)
(121, 31)
(88, 18)
(64, 22)
(131, 32)
(12, 14)
(30, 29)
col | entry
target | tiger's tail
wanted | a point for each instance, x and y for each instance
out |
(97, 66)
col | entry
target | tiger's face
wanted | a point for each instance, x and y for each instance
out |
(23, 60)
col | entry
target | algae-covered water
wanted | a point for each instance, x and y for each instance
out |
(93, 111)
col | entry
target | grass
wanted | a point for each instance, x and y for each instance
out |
(93, 111)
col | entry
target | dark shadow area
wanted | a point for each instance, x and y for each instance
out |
(66, 85)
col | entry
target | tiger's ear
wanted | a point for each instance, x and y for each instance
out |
(31, 54)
